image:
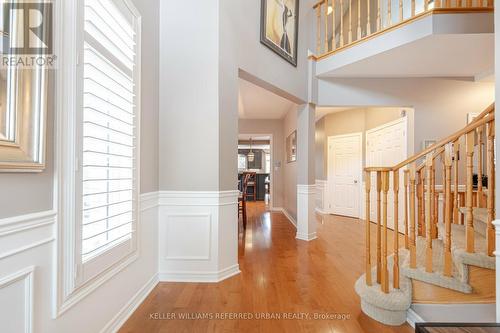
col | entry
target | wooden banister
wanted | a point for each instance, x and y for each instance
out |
(472, 126)
(385, 270)
(421, 200)
(447, 211)
(469, 233)
(428, 221)
(367, 220)
(395, 183)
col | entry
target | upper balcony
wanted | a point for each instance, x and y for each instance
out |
(404, 38)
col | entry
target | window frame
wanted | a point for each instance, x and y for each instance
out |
(104, 260)
(74, 279)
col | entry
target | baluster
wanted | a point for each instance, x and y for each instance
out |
(341, 23)
(480, 167)
(468, 3)
(469, 234)
(412, 8)
(395, 183)
(447, 212)
(359, 21)
(379, 22)
(456, 198)
(326, 27)
(350, 22)
(413, 236)
(318, 28)
(406, 183)
(459, 3)
(437, 3)
(434, 211)
(428, 204)
(385, 270)
(490, 3)
(491, 188)
(389, 10)
(421, 204)
(367, 218)
(334, 28)
(400, 10)
(447, 3)
(443, 165)
(426, 5)
(368, 22)
(379, 228)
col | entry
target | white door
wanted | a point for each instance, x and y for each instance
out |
(344, 174)
(387, 146)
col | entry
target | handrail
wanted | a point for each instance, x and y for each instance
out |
(472, 126)
(421, 200)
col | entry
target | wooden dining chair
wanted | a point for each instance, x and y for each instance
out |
(242, 200)
(252, 183)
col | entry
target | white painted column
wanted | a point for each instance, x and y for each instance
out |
(306, 188)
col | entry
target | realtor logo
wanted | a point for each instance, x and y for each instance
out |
(28, 27)
(27, 34)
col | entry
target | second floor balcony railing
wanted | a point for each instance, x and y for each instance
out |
(342, 23)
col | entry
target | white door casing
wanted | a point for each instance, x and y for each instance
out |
(345, 154)
(386, 146)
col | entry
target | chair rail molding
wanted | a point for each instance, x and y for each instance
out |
(198, 235)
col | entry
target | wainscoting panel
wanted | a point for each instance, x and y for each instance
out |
(198, 236)
(188, 236)
(16, 302)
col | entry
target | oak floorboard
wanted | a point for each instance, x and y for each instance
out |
(279, 274)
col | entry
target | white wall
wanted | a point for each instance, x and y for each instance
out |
(28, 241)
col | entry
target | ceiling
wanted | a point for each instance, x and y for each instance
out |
(258, 103)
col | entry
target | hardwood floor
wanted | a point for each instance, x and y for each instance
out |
(279, 274)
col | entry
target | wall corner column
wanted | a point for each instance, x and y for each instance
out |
(306, 183)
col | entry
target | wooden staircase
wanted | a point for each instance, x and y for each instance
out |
(441, 244)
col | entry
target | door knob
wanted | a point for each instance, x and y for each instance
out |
(355, 182)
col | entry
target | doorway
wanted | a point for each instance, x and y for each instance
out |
(345, 156)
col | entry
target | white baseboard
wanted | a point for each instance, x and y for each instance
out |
(306, 237)
(412, 317)
(200, 277)
(124, 314)
(287, 215)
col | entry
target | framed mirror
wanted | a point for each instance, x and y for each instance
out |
(23, 106)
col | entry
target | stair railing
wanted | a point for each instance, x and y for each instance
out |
(421, 199)
(342, 23)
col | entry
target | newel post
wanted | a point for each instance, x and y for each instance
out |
(367, 220)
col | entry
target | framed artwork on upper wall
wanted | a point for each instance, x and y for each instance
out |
(279, 26)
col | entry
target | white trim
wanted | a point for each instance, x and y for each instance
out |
(126, 311)
(287, 215)
(26, 275)
(68, 18)
(26, 248)
(196, 277)
(306, 189)
(16, 224)
(307, 237)
(412, 317)
(329, 181)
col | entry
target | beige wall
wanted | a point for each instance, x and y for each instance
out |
(351, 121)
(290, 169)
(274, 128)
